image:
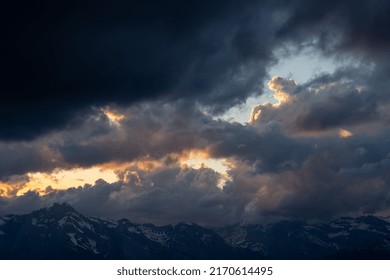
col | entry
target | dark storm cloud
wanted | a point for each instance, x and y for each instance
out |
(18, 159)
(59, 58)
(339, 25)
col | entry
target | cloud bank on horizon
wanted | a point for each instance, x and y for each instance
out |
(137, 88)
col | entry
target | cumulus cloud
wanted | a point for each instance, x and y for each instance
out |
(283, 89)
(326, 103)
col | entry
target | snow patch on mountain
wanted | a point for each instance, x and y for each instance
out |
(89, 245)
(133, 229)
(81, 223)
(238, 237)
(62, 222)
(360, 226)
(336, 225)
(257, 247)
(92, 244)
(77, 222)
(107, 222)
(338, 234)
(155, 235)
(316, 240)
(73, 238)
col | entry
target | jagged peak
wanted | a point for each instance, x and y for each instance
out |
(60, 209)
(185, 224)
(62, 206)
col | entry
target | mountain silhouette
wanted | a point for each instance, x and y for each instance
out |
(60, 232)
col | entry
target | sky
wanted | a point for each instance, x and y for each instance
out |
(212, 112)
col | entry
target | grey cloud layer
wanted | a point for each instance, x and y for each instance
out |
(289, 162)
(274, 174)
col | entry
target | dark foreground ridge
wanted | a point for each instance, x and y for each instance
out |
(60, 232)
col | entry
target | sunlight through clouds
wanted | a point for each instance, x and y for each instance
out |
(113, 116)
(63, 179)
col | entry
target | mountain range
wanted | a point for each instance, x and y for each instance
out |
(60, 232)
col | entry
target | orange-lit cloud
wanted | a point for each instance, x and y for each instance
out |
(343, 133)
(144, 164)
(197, 159)
(113, 172)
(13, 185)
(59, 179)
(200, 159)
(113, 116)
(282, 89)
